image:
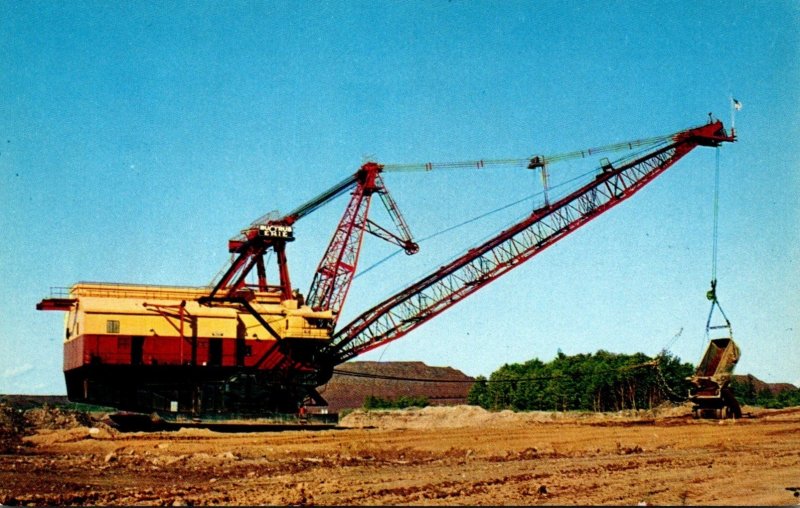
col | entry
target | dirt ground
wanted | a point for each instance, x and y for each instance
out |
(433, 456)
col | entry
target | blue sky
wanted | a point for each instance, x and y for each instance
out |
(138, 137)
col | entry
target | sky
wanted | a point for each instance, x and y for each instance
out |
(138, 137)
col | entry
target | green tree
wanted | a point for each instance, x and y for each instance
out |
(744, 391)
(401, 402)
(789, 398)
(478, 394)
(602, 381)
(765, 398)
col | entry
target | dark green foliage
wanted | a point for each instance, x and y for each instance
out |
(479, 393)
(746, 392)
(789, 398)
(601, 381)
(401, 402)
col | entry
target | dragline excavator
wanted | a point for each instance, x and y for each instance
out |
(249, 347)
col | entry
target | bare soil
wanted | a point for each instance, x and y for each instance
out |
(433, 456)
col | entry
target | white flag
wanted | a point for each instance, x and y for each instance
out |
(737, 105)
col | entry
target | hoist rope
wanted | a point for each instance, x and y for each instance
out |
(672, 341)
(524, 163)
(470, 221)
(712, 293)
(653, 142)
(715, 234)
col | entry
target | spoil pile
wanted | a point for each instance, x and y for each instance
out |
(13, 425)
(17, 422)
(442, 417)
(354, 381)
(55, 418)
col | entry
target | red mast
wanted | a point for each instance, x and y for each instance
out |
(337, 268)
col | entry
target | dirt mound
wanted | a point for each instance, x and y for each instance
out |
(55, 418)
(57, 424)
(443, 417)
(759, 385)
(353, 381)
(431, 417)
(13, 425)
(26, 402)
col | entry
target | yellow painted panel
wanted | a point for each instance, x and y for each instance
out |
(153, 310)
(216, 327)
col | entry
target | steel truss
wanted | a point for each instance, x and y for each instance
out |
(451, 283)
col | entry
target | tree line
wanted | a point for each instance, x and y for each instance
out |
(401, 402)
(600, 381)
(746, 392)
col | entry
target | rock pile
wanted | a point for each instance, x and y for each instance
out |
(13, 425)
(16, 423)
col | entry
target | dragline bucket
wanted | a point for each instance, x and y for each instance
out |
(711, 392)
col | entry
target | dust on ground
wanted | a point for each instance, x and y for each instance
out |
(430, 456)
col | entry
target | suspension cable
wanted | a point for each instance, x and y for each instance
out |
(715, 234)
(712, 293)
(473, 219)
(526, 163)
